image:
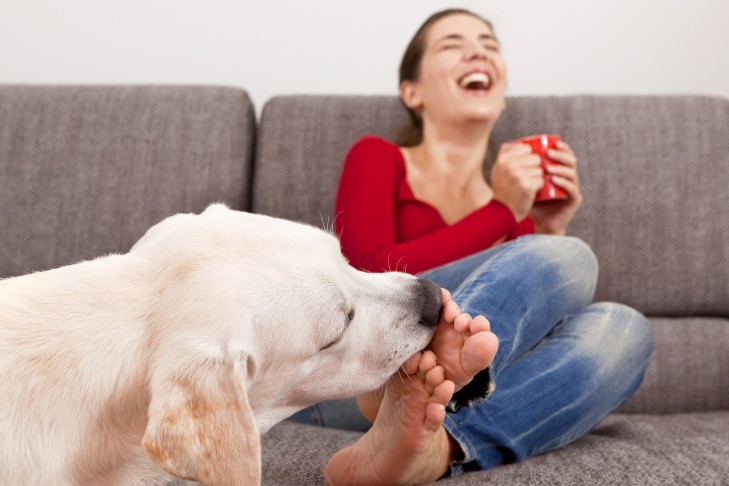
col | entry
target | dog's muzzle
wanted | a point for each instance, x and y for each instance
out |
(431, 302)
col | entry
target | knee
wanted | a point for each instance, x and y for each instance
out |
(620, 336)
(570, 259)
(627, 325)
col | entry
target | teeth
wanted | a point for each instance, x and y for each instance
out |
(478, 80)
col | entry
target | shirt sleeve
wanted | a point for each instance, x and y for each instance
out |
(365, 217)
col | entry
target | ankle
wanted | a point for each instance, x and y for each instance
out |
(455, 452)
(450, 450)
(369, 403)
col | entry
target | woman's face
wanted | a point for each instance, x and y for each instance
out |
(462, 74)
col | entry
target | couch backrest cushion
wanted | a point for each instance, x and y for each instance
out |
(84, 171)
(654, 172)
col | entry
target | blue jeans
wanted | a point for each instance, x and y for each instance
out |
(563, 363)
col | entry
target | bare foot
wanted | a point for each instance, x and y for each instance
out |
(463, 345)
(407, 443)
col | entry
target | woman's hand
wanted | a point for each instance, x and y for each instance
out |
(516, 177)
(553, 218)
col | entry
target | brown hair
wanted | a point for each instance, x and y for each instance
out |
(410, 71)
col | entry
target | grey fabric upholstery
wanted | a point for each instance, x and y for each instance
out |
(625, 450)
(84, 171)
(689, 370)
(310, 136)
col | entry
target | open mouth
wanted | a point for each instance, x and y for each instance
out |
(476, 81)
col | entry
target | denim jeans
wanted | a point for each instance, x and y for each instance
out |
(563, 362)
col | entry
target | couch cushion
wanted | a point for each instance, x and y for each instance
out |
(640, 450)
(302, 141)
(654, 172)
(84, 171)
(689, 370)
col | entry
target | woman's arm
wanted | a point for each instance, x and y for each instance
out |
(365, 217)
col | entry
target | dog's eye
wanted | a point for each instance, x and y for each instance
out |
(330, 344)
(350, 317)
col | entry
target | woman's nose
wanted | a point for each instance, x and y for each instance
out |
(476, 51)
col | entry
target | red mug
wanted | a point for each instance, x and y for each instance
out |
(540, 144)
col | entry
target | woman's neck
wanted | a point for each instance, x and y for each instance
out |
(455, 154)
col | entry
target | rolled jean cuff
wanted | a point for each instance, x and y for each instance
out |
(455, 468)
(475, 392)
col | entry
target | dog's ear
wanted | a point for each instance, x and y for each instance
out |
(201, 425)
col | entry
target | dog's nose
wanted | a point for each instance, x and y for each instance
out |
(431, 301)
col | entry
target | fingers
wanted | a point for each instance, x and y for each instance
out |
(523, 166)
(563, 158)
(522, 154)
(563, 153)
(519, 154)
(566, 167)
(563, 171)
(572, 188)
(514, 148)
(562, 145)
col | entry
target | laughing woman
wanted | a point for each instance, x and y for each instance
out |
(563, 362)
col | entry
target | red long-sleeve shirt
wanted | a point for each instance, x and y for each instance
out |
(382, 226)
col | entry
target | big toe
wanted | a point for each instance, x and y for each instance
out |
(479, 351)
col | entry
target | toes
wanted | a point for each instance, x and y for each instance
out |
(445, 295)
(411, 365)
(462, 322)
(443, 392)
(435, 409)
(434, 416)
(450, 311)
(479, 351)
(479, 323)
(427, 362)
(433, 378)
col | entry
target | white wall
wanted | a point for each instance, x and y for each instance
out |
(273, 47)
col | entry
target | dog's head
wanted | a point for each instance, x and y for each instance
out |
(256, 318)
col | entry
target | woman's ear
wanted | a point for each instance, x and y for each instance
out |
(410, 96)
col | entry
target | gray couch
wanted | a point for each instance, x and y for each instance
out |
(85, 170)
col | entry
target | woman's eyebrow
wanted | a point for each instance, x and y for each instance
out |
(460, 37)
(450, 37)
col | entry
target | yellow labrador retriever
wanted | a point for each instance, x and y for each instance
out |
(172, 359)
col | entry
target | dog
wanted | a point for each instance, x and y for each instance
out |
(171, 360)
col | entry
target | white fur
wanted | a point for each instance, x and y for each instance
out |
(207, 333)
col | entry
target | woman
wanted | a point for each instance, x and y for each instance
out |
(563, 363)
